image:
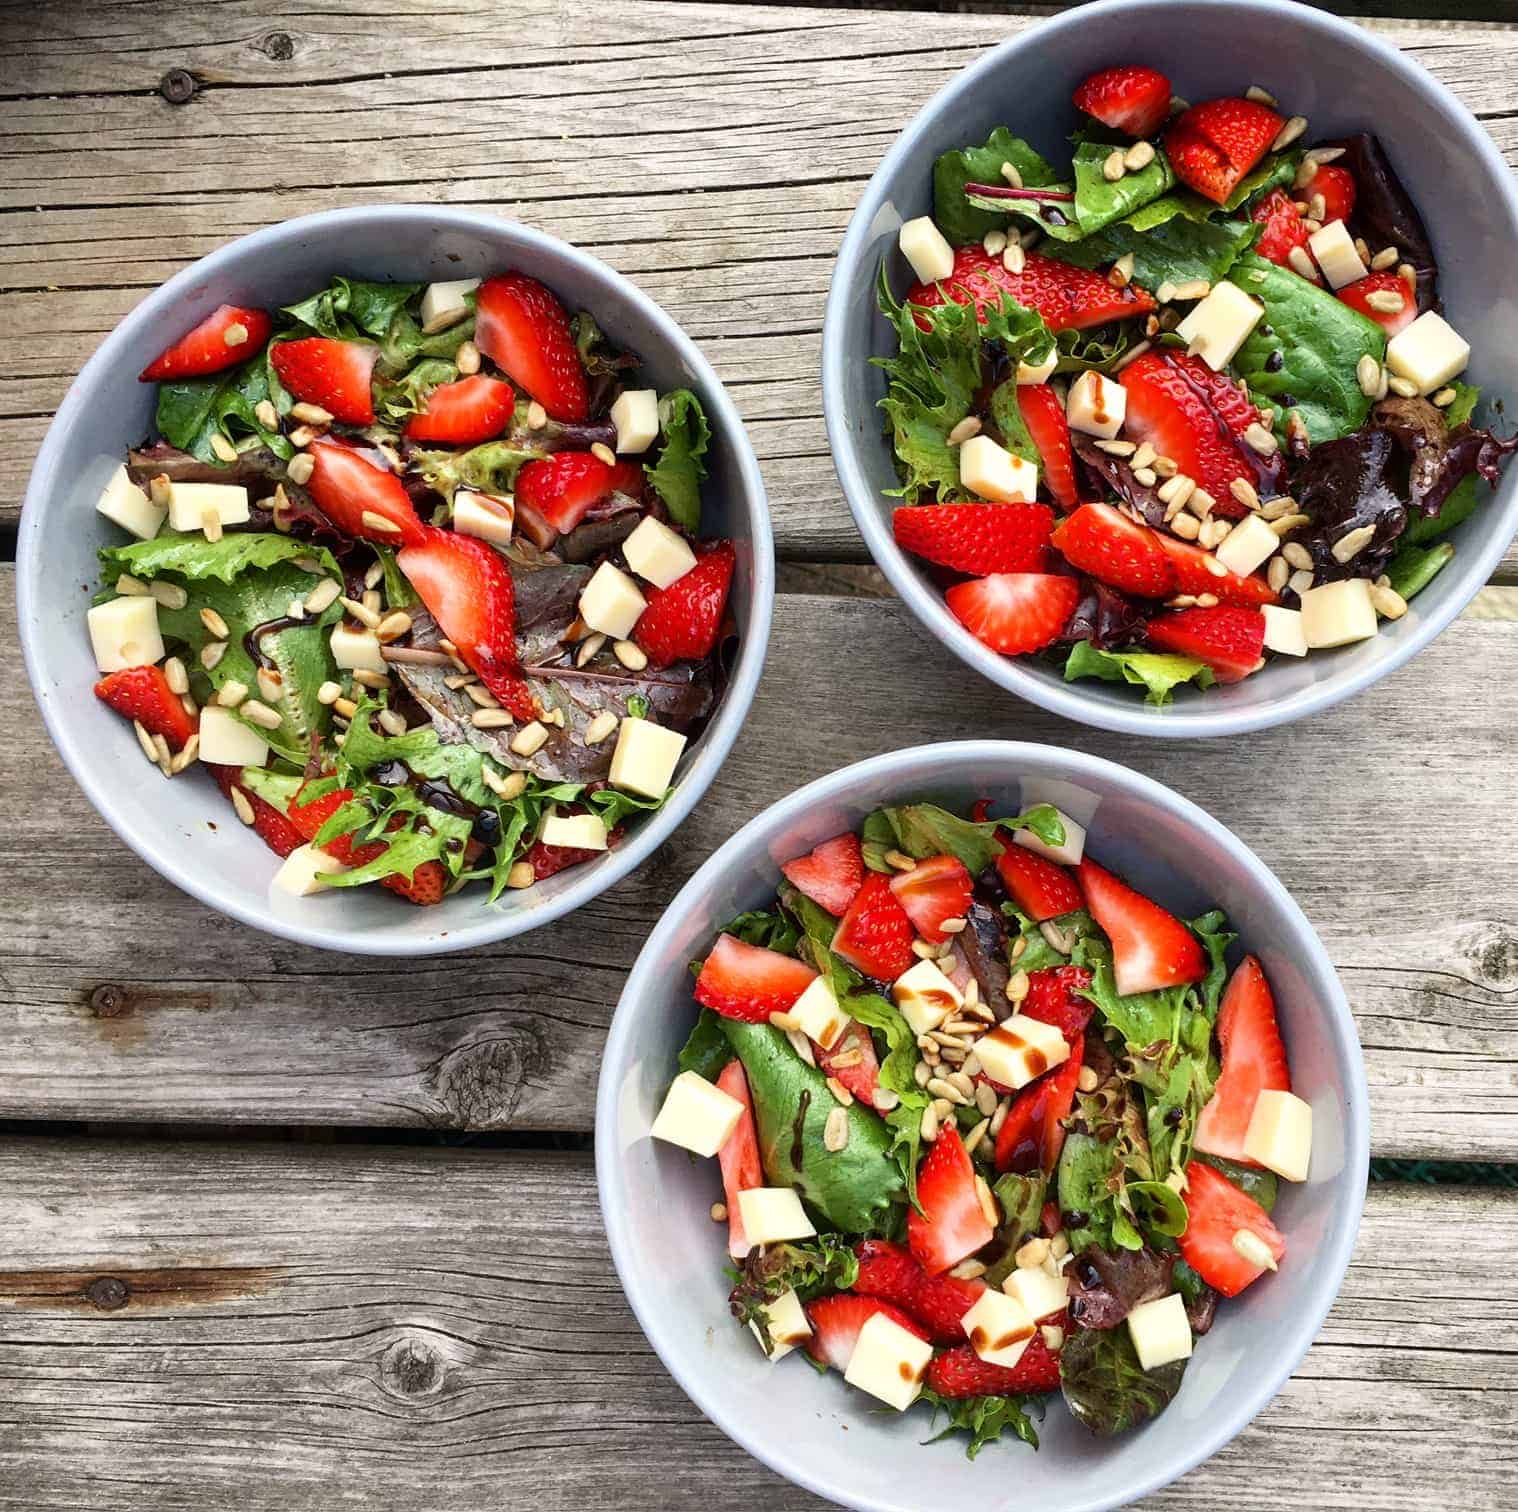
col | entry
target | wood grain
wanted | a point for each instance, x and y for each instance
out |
(1390, 818)
(712, 152)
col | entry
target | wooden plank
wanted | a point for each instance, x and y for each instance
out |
(1387, 817)
(302, 1328)
(712, 152)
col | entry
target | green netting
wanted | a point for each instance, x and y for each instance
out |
(1446, 1172)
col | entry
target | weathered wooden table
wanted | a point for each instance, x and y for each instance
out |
(280, 1229)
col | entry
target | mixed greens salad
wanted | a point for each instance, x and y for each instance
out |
(992, 1125)
(1185, 404)
(417, 573)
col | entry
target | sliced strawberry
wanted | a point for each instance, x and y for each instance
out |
(1282, 221)
(566, 486)
(1357, 296)
(464, 413)
(522, 328)
(748, 982)
(1099, 540)
(941, 1303)
(1254, 1061)
(1014, 612)
(307, 816)
(1337, 186)
(1069, 298)
(1213, 145)
(1129, 98)
(962, 1373)
(334, 374)
(144, 694)
(976, 538)
(836, 1322)
(829, 874)
(682, 621)
(887, 1271)
(1230, 640)
(1056, 995)
(738, 1156)
(550, 860)
(1192, 575)
(1033, 1132)
(861, 1076)
(1217, 1210)
(932, 893)
(228, 335)
(269, 824)
(1150, 947)
(875, 935)
(951, 1225)
(427, 885)
(468, 590)
(1044, 416)
(347, 487)
(1040, 887)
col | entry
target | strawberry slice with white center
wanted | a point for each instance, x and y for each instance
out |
(951, 1225)
(932, 893)
(522, 328)
(1014, 612)
(334, 374)
(1230, 640)
(1049, 428)
(738, 1156)
(566, 486)
(468, 590)
(829, 874)
(875, 935)
(359, 498)
(1150, 947)
(1130, 98)
(1102, 541)
(1213, 145)
(749, 982)
(228, 335)
(1254, 1061)
(1217, 1212)
(1386, 287)
(464, 413)
(836, 1322)
(1040, 887)
(976, 538)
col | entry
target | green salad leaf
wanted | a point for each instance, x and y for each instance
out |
(614, 805)
(351, 308)
(399, 593)
(984, 1418)
(773, 928)
(1176, 252)
(1087, 1179)
(193, 410)
(956, 217)
(1462, 407)
(1099, 202)
(192, 558)
(405, 343)
(1463, 500)
(1158, 672)
(707, 1050)
(1106, 1388)
(921, 830)
(490, 468)
(808, 1267)
(1156, 1208)
(1413, 568)
(1253, 1181)
(676, 476)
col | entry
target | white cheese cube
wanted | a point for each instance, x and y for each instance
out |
(788, 1325)
(1283, 630)
(1096, 405)
(1038, 1291)
(925, 996)
(636, 417)
(354, 649)
(1333, 248)
(1248, 544)
(991, 472)
(1218, 325)
(125, 504)
(444, 305)
(888, 1362)
(645, 758)
(999, 1327)
(610, 602)
(226, 741)
(923, 245)
(578, 831)
(486, 517)
(1337, 613)
(817, 1015)
(303, 870)
(1429, 352)
(773, 1214)
(1280, 1134)
(1019, 1050)
(1039, 370)
(190, 503)
(1067, 853)
(124, 632)
(696, 1115)
(1160, 1332)
(658, 554)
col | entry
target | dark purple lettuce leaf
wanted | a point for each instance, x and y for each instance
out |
(1439, 457)
(1385, 215)
(256, 469)
(1105, 617)
(984, 947)
(1112, 475)
(1343, 485)
(1106, 1285)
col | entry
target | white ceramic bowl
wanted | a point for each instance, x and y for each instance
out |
(183, 828)
(814, 1429)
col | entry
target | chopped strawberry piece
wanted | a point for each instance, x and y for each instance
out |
(1150, 947)
(550, 860)
(1282, 221)
(347, 488)
(464, 413)
(861, 1076)
(1254, 1061)
(1130, 98)
(522, 328)
(962, 1373)
(334, 374)
(682, 621)
(836, 1322)
(1044, 416)
(978, 538)
(1033, 1132)
(427, 885)
(951, 1225)
(941, 1303)
(1192, 575)
(1230, 640)
(875, 935)
(144, 694)
(1217, 1210)
(1357, 296)
(1099, 540)
(269, 824)
(1056, 995)
(738, 1156)
(748, 982)
(932, 893)
(229, 334)
(1069, 298)
(829, 874)
(1213, 145)
(1014, 612)
(1040, 887)
(309, 815)
(887, 1271)
(1337, 186)
(566, 486)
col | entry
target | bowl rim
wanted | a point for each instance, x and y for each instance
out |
(913, 768)
(513, 238)
(1472, 570)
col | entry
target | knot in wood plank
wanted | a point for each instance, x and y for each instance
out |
(109, 1001)
(178, 86)
(108, 1293)
(413, 1369)
(277, 45)
(479, 1084)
